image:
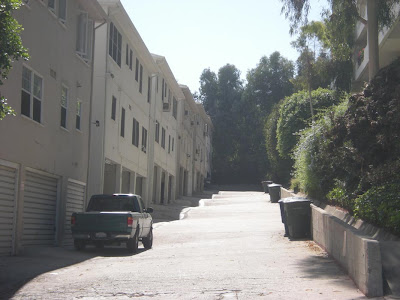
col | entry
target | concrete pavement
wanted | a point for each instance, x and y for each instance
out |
(231, 247)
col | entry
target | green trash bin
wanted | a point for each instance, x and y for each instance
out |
(265, 184)
(274, 192)
(297, 217)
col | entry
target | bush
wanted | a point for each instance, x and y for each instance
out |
(313, 162)
(295, 115)
(381, 207)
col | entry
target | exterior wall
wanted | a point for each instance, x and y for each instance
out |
(45, 147)
(114, 152)
(389, 47)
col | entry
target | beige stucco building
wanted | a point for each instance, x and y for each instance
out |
(96, 112)
(44, 150)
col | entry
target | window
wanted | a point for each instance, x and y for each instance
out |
(162, 90)
(135, 133)
(173, 142)
(157, 135)
(174, 107)
(51, 4)
(31, 95)
(84, 37)
(148, 89)
(163, 138)
(64, 106)
(62, 10)
(113, 108)
(141, 79)
(127, 55)
(137, 70)
(78, 114)
(122, 122)
(130, 59)
(144, 139)
(169, 144)
(115, 44)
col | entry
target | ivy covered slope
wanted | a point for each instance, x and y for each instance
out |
(352, 157)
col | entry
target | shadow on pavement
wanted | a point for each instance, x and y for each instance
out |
(15, 271)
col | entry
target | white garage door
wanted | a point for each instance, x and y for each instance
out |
(75, 203)
(40, 204)
(7, 209)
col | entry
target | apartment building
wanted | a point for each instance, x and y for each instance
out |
(95, 113)
(44, 153)
(124, 89)
(167, 97)
(194, 157)
(389, 46)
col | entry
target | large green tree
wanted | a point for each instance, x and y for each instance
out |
(221, 97)
(11, 47)
(270, 81)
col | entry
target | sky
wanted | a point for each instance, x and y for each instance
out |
(194, 35)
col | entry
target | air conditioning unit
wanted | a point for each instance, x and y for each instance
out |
(191, 123)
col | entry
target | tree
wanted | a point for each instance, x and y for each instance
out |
(343, 16)
(270, 81)
(11, 47)
(221, 97)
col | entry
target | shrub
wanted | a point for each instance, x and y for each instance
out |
(295, 115)
(380, 206)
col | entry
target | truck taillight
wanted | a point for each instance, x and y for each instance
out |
(130, 221)
(73, 220)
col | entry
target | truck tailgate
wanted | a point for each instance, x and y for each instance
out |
(102, 222)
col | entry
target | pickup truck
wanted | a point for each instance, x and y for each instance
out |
(113, 219)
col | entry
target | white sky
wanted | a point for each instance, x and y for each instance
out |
(194, 35)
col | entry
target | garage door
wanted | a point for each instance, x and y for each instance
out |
(75, 203)
(7, 209)
(40, 203)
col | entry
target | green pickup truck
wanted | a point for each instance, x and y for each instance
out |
(112, 220)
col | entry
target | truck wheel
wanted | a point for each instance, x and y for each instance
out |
(133, 243)
(79, 245)
(148, 240)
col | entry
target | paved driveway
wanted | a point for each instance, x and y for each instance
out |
(232, 247)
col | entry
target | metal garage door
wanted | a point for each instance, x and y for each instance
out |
(75, 203)
(7, 209)
(40, 204)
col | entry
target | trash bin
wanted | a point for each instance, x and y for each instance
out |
(281, 206)
(265, 185)
(274, 192)
(297, 213)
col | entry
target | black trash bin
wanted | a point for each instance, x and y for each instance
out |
(265, 185)
(274, 192)
(281, 206)
(297, 217)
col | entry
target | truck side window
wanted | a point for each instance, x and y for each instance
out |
(137, 206)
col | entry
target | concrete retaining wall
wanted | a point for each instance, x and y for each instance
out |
(359, 255)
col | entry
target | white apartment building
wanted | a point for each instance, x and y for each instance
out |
(164, 116)
(194, 147)
(44, 150)
(123, 88)
(95, 113)
(389, 46)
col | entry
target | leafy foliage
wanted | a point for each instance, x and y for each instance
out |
(351, 156)
(380, 205)
(10, 46)
(295, 115)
